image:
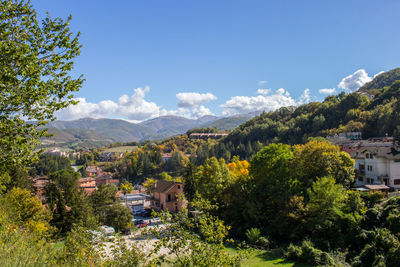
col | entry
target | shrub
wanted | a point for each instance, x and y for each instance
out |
(263, 242)
(307, 253)
(253, 235)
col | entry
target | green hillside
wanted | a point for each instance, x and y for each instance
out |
(339, 113)
(382, 80)
(229, 123)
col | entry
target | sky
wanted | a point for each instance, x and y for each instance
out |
(148, 58)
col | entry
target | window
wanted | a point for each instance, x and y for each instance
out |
(360, 178)
(179, 187)
(169, 197)
(396, 181)
(369, 168)
(367, 155)
(368, 180)
(371, 156)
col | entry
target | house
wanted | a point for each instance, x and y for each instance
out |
(56, 152)
(88, 184)
(207, 135)
(93, 171)
(377, 161)
(166, 156)
(167, 196)
(106, 179)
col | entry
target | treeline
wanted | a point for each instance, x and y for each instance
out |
(47, 164)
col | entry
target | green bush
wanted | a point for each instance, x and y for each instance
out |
(263, 242)
(253, 235)
(307, 253)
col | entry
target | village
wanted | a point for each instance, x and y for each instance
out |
(377, 167)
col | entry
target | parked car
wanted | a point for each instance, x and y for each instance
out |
(138, 222)
(142, 223)
(107, 230)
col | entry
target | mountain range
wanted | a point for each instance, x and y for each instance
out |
(88, 132)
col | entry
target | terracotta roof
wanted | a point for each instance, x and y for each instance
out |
(86, 180)
(162, 186)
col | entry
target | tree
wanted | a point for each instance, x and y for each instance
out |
(104, 195)
(50, 163)
(326, 204)
(68, 203)
(117, 216)
(318, 159)
(212, 179)
(35, 62)
(27, 211)
(272, 185)
(126, 188)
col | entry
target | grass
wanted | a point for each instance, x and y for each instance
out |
(261, 258)
(121, 149)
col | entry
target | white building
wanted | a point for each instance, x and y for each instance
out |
(377, 162)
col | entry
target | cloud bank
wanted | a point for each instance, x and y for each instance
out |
(136, 108)
(246, 104)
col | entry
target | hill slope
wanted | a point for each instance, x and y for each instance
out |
(97, 132)
(229, 123)
(382, 80)
(341, 113)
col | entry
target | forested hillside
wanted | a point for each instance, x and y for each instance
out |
(373, 114)
(382, 80)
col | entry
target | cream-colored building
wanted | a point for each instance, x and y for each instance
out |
(377, 161)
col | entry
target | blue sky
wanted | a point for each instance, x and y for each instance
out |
(142, 59)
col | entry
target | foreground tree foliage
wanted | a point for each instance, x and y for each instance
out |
(35, 61)
(193, 241)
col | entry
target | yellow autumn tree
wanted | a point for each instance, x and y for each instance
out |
(238, 169)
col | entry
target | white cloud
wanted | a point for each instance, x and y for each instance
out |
(262, 91)
(201, 111)
(246, 104)
(305, 97)
(136, 108)
(327, 91)
(86, 109)
(131, 108)
(191, 99)
(355, 80)
(262, 82)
